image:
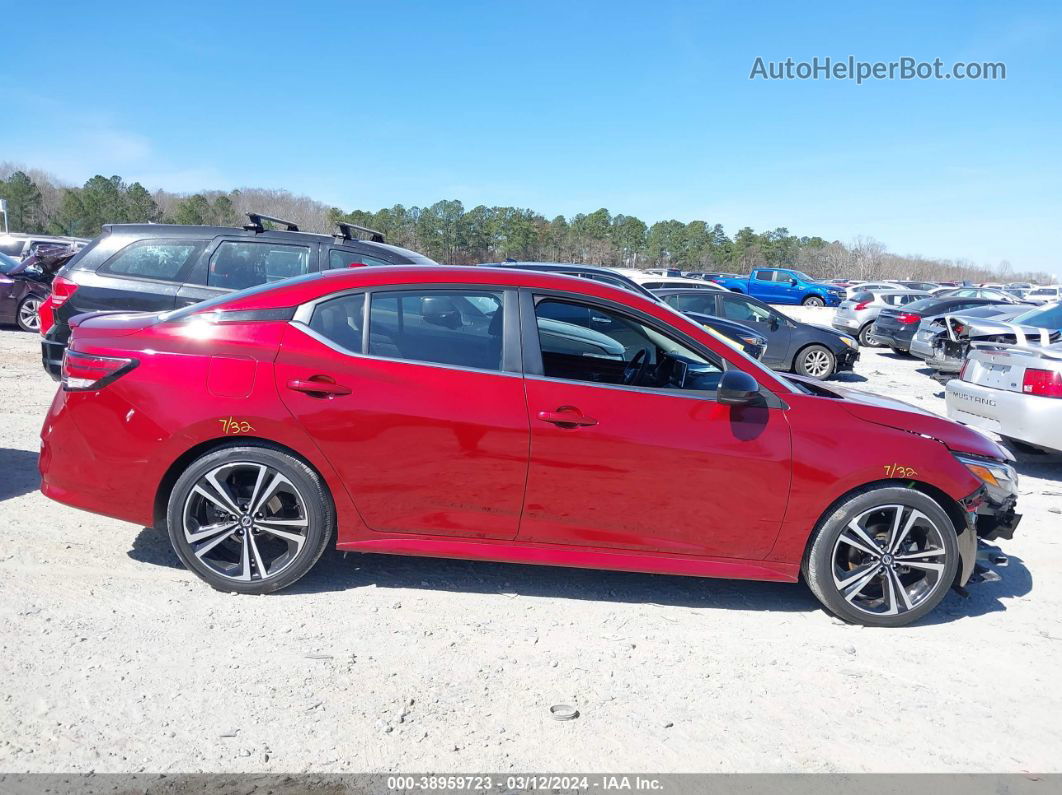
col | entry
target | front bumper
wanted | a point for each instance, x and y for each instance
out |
(847, 358)
(946, 356)
(1031, 419)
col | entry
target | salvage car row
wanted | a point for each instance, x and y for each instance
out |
(496, 413)
(999, 356)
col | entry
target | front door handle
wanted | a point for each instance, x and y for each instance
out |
(318, 388)
(567, 417)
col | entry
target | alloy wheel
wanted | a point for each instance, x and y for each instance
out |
(28, 318)
(817, 363)
(814, 301)
(246, 521)
(889, 560)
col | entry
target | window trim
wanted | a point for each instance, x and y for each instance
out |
(532, 351)
(511, 360)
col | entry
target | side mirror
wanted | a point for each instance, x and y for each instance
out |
(793, 282)
(737, 388)
(440, 311)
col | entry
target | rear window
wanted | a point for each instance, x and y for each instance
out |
(926, 305)
(1044, 291)
(228, 298)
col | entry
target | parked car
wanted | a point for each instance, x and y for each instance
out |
(25, 285)
(744, 337)
(856, 314)
(650, 282)
(1013, 391)
(426, 411)
(992, 293)
(785, 286)
(1044, 295)
(895, 328)
(923, 340)
(916, 285)
(951, 345)
(20, 245)
(792, 346)
(157, 267)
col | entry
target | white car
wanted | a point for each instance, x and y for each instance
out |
(1012, 390)
(1044, 295)
(653, 282)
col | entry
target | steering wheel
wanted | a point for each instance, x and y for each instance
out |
(636, 369)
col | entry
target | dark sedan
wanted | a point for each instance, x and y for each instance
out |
(24, 285)
(791, 346)
(744, 337)
(896, 327)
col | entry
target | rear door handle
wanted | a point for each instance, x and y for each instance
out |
(567, 417)
(318, 388)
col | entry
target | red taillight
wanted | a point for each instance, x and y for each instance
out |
(87, 371)
(861, 305)
(46, 315)
(907, 318)
(62, 289)
(1045, 383)
(963, 369)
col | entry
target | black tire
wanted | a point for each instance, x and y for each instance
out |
(816, 361)
(26, 316)
(813, 300)
(830, 557)
(299, 506)
(865, 336)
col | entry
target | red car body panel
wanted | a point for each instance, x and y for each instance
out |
(422, 449)
(430, 460)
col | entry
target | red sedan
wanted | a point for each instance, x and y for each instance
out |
(515, 416)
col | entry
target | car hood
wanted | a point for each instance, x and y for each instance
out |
(893, 413)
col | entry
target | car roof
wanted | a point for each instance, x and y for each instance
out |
(199, 231)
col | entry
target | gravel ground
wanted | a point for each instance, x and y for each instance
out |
(116, 659)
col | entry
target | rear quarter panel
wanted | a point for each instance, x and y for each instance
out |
(177, 399)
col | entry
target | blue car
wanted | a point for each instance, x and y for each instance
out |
(785, 286)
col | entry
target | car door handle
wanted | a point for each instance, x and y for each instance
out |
(318, 388)
(567, 417)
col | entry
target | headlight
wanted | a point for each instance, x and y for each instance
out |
(999, 477)
(851, 343)
(750, 340)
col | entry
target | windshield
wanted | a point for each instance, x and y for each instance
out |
(7, 264)
(1047, 317)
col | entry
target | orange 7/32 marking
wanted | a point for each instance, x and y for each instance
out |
(234, 426)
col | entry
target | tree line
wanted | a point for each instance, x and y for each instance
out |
(452, 234)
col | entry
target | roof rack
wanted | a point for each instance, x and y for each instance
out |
(256, 223)
(348, 231)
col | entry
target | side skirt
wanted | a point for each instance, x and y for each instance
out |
(578, 557)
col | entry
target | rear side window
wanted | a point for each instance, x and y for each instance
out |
(237, 265)
(164, 260)
(461, 328)
(705, 304)
(861, 297)
(341, 320)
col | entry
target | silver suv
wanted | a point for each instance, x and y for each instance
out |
(857, 314)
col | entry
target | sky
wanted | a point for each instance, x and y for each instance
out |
(642, 108)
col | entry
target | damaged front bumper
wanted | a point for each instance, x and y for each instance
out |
(990, 514)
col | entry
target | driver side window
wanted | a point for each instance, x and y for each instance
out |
(582, 342)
